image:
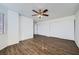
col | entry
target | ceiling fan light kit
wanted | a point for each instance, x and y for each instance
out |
(39, 16)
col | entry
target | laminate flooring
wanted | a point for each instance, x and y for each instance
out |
(42, 45)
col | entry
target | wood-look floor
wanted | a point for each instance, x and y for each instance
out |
(41, 45)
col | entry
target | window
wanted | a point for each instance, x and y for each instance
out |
(1, 23)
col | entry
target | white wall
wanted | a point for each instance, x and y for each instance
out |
(77, 28)
(26, 28)
(43, 28)
(36, 29)
(13, 27)
(62, 28)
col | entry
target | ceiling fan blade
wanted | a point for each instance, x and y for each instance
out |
(45, 15)
(35, 11)
(45, 10)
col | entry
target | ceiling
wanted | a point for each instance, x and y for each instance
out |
(55, 10)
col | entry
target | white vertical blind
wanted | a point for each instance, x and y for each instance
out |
(1, 23)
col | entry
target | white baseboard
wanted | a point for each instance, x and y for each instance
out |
(3, 47)
(11, 43)
(28, 37)
(77, 44)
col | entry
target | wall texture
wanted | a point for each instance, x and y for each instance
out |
(62, 28)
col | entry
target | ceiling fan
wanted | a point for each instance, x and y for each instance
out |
(40, 13)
